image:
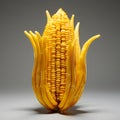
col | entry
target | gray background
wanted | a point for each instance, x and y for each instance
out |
(16, 53)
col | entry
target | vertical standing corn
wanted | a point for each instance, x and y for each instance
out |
(59, 72)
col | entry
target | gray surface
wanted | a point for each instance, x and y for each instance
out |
(92, 106)
(16, 57)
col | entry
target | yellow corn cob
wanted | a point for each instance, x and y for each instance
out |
(59, 72)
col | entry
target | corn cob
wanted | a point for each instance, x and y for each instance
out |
(59, 73)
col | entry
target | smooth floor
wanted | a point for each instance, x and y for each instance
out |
(92, 106)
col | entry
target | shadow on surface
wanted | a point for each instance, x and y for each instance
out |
(75, 110)
(78, 110)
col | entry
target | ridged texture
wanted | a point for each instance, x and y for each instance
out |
(59, 72)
